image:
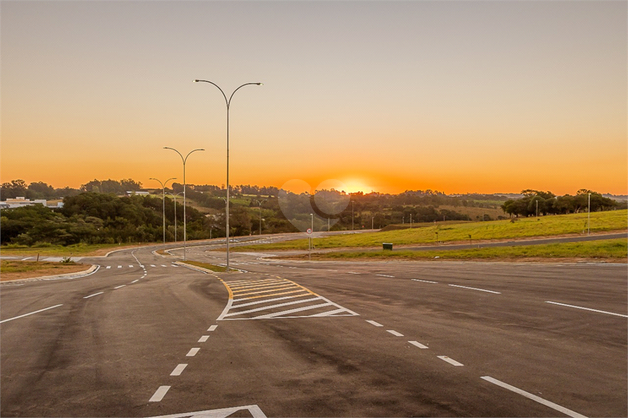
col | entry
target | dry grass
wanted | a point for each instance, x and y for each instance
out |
(17, 269)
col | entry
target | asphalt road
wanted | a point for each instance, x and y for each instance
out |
(291, 338)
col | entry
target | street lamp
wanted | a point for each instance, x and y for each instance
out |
(228, 103)
(184, 160)
(174, 196)
(163, 199)
(259, 204)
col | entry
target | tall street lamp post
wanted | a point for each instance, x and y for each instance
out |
(184, 160)
(259, 204)
(163, 198)
(174, 196)
(228, 103)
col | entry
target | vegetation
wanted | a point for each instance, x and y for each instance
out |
(14, 269)
(207, 266)
(467, 232)
(535, 202)
(607, 250)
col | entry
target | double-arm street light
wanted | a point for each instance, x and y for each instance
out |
(228, 103)
(174, 196)
(184, 160)
(163, 198)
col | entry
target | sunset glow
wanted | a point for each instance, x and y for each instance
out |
(458, 97)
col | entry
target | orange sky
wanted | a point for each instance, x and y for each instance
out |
(387, 96)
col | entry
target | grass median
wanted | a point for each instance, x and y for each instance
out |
(612, 250)
(18, 269)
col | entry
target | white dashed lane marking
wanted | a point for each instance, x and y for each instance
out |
(418, 344)
(91, 296)
(30, 313)
(395, 333)
(212, 328)
(159, 394)
(178, 370)
(475, 288)
(450, 361)
(586, 309)
(192, 352)
(377, 324)
(203, 338)
(423, 281)
(535, 398)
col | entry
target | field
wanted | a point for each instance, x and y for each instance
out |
(573, 224)
(614, 250)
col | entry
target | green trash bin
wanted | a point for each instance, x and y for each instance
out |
(387, 246)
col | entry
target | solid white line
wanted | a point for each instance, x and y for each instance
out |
(377, 324)
(424, 281)
(533, 397)
(475, 288)
(95, 294)
(212, 328)
(30, 313)
(159, 394)
(330, 313)
(418, 344)
(450, 361)
(275, 289)
(307, 292)
(118, 287)
(395, 333)
(203, 338)
(178, 370)
(586, 309)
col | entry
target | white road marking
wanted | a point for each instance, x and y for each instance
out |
(377, 324)
(253, 410)
(353, 272)
(272, 315)
(119, 267)
(135, 281)
(424, 281)
(118, 287)
(152, 265)
(30, 313)
(95, 294)
(586, 309)
(159, 394)
(212, 328)
(130, 265)
(475, 288)
(178, 370)
(418, 344)
(108, 267)
(192, 352)
(395, 333)
(272, 306)
(535, 398)
(163, 265)
(203, 338)
(450, 361)
(263, 301)
(384, 275)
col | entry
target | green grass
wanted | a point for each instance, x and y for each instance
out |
(608, 250)
(59, 250)
(207, 266)
(492, 230)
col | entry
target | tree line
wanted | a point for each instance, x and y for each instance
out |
(535, 202)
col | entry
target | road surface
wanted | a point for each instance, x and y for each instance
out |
(144, 337)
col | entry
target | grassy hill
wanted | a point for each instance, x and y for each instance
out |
(572, 224)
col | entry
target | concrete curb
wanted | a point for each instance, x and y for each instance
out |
(68, 276)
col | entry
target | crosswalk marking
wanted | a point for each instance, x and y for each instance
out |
(267, 298)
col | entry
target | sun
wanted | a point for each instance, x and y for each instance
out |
(355, 186)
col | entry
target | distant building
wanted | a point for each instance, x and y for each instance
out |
(19, 202)
(136, 192)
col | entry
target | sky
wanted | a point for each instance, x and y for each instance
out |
(387, 96)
